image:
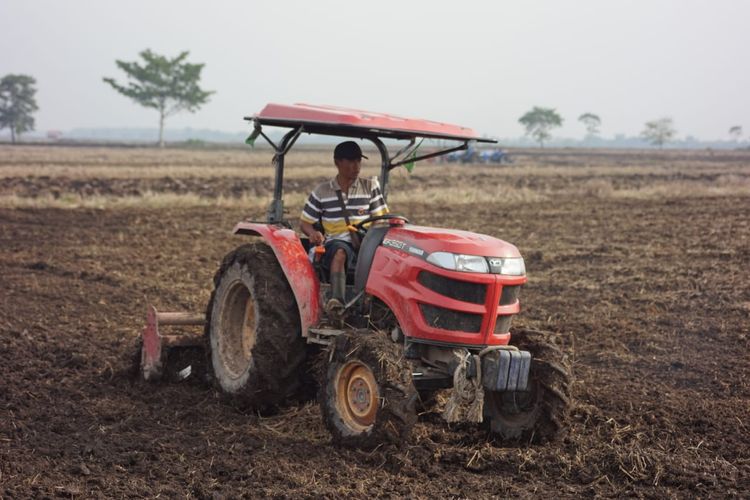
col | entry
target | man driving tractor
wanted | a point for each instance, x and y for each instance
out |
(337, 205)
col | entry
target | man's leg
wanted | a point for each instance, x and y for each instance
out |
(338, 257)
(338, 275)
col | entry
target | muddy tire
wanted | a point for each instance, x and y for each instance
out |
(255, 349)
(366, 393)
(540, 414)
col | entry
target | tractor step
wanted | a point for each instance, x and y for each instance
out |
(322, 336)
(155, 346)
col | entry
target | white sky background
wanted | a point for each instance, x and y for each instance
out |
(480, 64)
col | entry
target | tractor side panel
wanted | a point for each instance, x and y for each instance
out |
(297, 268)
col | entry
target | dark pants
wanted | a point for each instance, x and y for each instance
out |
(331, 247)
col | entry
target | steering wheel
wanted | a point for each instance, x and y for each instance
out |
(361, 230)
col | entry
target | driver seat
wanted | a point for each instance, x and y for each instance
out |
(366, 255)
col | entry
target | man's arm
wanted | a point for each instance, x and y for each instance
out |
(377, 203)
(311, 213)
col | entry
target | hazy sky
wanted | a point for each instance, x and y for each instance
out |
(478, 64)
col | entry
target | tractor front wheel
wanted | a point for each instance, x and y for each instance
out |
(256, 352)
(366, 392)
(539, 414)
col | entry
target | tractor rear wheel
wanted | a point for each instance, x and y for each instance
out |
(366, 393)
(256, 352)
(539, 414)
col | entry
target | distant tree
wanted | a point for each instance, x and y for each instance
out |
(591, 122)
(659, 132)
(539, 122)
(736, 132)
(167, 85)
(17, 103)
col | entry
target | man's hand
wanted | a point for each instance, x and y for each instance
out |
(316, 238)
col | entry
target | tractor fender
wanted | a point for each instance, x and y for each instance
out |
(297, 268)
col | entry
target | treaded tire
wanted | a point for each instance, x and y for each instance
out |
(538, 415)
(366, 393)
(255, 349)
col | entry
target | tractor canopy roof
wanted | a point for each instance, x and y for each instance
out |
(342, 122)
(333, 120)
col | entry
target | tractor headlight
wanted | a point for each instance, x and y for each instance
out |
(459, 262)
(508, 266)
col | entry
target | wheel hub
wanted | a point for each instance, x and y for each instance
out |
(357, 396)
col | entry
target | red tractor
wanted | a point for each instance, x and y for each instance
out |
(427, 309)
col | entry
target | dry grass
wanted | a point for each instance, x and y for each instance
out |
(725, 185)
(600, 189)
(122, 163)
(126, 163)
(318, 167)
(469, 195)
(127, 177)
(116, 171)
(148, 199)
(681, 190)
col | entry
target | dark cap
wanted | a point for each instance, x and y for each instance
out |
(348, 150)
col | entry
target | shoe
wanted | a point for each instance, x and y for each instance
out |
(334, 308)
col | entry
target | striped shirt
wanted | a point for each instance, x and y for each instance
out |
(363, 200)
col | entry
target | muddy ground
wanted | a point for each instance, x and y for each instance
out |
(650, 295)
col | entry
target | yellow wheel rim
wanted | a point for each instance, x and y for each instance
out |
(357, 396)
(238, 330)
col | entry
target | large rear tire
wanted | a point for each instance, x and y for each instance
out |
(256, 351)
(540, 414)
(367, 396)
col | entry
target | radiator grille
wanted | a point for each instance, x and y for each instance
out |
(503, 323)
(448, 319)
(509, 295)
(455, 289)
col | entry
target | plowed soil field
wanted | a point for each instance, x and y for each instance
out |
(639, 260)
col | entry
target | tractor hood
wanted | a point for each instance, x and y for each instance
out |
(432, 239)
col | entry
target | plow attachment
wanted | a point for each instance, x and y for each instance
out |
(177, 355)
